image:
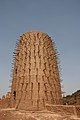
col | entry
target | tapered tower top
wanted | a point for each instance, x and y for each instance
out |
(36, 32)
(36, 80)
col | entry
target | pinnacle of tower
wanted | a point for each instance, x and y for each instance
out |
(36, 80)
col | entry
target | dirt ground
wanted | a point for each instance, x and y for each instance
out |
(11, 114)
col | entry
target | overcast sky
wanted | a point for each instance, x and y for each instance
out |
(60, 19)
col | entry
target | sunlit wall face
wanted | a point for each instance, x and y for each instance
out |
(36, 80)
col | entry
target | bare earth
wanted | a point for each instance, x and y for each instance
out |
(12, 114)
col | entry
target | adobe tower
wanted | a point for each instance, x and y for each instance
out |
(36, 80)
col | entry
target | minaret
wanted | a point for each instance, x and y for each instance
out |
(36, 79)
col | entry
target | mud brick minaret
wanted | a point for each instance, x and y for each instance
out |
(36, 80)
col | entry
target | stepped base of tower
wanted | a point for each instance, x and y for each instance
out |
(51, 113)
(48, 112)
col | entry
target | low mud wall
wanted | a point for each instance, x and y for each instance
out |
(64, 109)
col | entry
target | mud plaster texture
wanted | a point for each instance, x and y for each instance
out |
(36, 79)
